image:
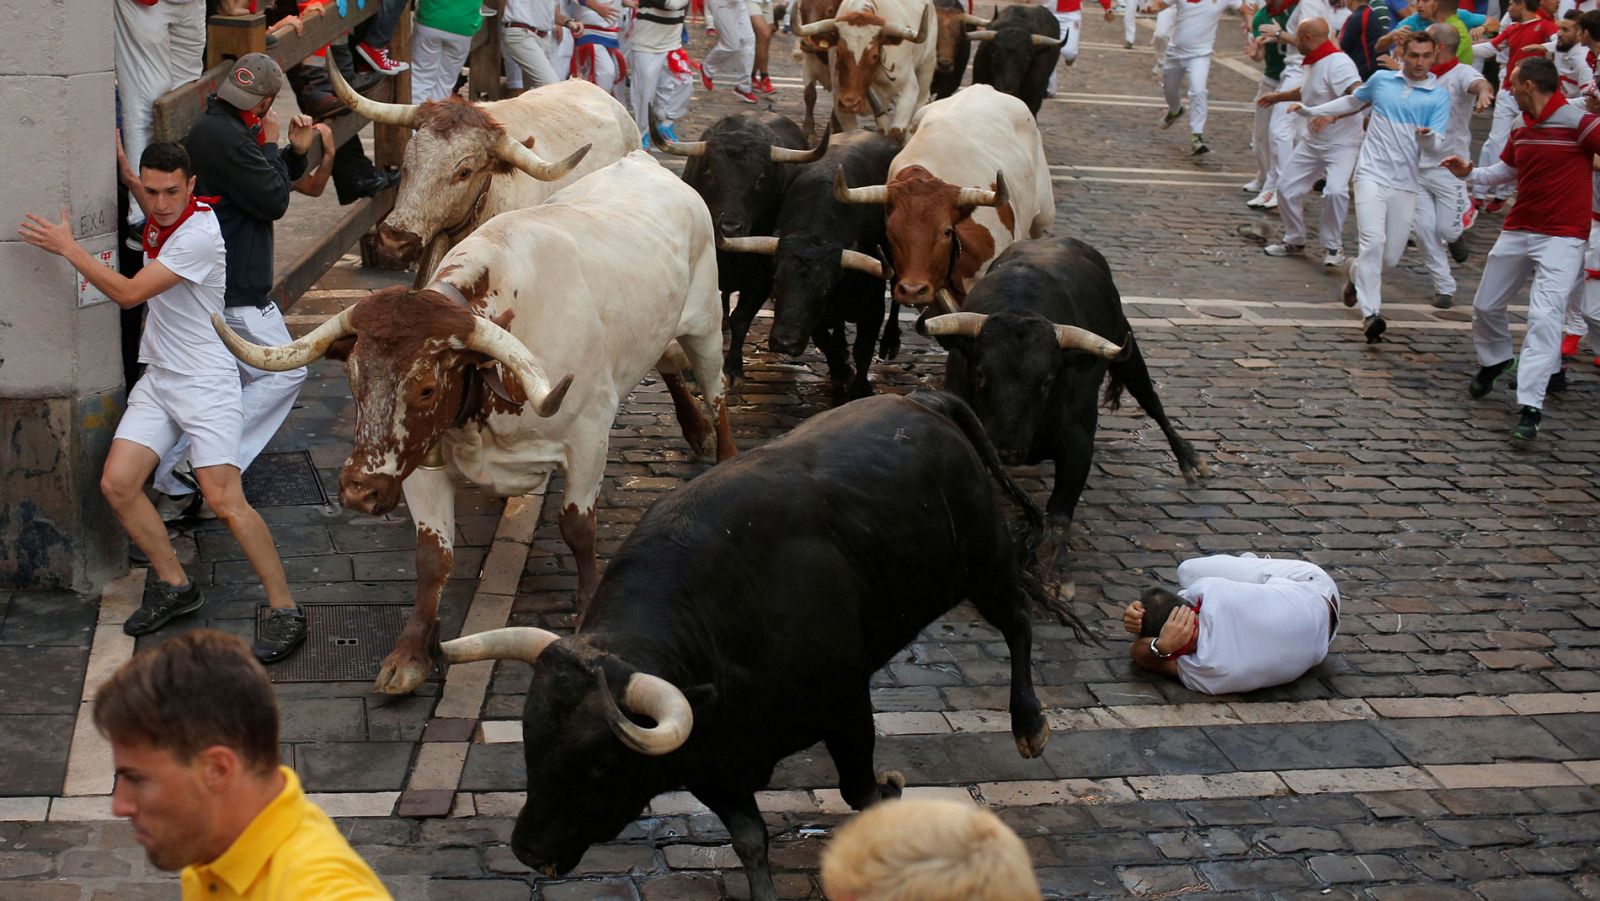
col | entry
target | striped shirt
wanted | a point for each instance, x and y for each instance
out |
(1550, 159)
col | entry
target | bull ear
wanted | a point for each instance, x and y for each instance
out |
(341, 349)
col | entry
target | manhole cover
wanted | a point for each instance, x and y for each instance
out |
(344, 642)
(283, 480)
(1218, 312)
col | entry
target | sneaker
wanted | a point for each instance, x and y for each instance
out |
(1569, 345)
(1443, 301)
(1483, 382)
(764, 84)
(1334, 258)
(1495, 205)
(1527, 427)
(1319, 184)
(1253, 186)
(711, 31)
(706, 82)
(1261, 200)
(284, 630)
(1197, 144)
(1374, 327)
(1469, 217)
(746, 96)
(1458, 248)
(1349, 294)
(644, 140)
(1557, 383)
(1272, 202)
(172, 508)
(1285, 250)
(668, 132)
(162, 604)
(1127, 45)
(1170, 117)
(380, 61)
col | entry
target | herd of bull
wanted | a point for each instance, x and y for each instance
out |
(743, 617)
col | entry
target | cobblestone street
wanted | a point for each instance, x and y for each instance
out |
(1449, 746)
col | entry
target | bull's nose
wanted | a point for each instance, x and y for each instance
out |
(913, 293)
(788, 347)
(362, 499)
(731, 228)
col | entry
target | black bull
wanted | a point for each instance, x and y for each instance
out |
(1017, 53)
(1037, 401)
(769, 590)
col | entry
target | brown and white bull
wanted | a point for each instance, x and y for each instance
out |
(971, 180)
(456, 377)
(882, 47)
(470, 162)
(812, 57)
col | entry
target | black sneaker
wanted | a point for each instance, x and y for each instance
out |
(1197, 144)
(1443, 301)
(1349, 294)
(1483, 382)
(161, 604)
(284, 630)
(1557, 383)
(1374, 327)
(1458, 248)
(1527, 427)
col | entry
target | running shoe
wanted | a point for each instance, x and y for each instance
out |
(1527, 427)
(1333, 258)
(1253, 186)
(764, 84)
(380, 61)
(1469, 217)
(1557, 383)
(706, 82)
(1260, 201)
(1458, 248)
(1443, 301)
(161, 605)
(1170, 117)
(1569, 345)
(1285, 250)
(284, 630)
(1349, 294)
(1484, 381)
(1374, 327)
(1198, 146)
(746, 96)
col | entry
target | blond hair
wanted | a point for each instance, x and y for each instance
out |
(927, 850)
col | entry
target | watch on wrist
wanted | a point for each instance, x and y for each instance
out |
(1157, 651)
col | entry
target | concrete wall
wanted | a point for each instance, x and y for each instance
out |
(60, 369)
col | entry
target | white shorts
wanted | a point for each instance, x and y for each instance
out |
(759, 9)
(165, 405)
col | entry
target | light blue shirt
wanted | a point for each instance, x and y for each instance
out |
(1418, 23)
(1399, 108)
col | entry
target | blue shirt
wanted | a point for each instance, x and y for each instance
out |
(1399, 108)
(1418, 23)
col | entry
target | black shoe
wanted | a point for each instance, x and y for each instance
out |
(284, 630)
(1374, 326)
(161, 604)
(1349, 294)
(1527, 427)
(1557, 383)
(1483, 382)
(1443, 301)
(1458, 248)
(369, 185)
(1319, 185)
(363, 79)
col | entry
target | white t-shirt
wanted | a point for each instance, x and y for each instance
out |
(1572, 65)
(538, 13)
(1262, 622)
(1458, 137)
(1307, 9)
(1327, 79)
(1194, 30)
(645, 36)
(178, 335)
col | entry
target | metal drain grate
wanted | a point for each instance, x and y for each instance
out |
(344, 642)
(283, 480)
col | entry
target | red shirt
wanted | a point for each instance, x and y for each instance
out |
(1072, 6)
(1522, 35)
(1552, 155)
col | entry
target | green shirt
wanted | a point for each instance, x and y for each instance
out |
(455, 16)
(1274, 51)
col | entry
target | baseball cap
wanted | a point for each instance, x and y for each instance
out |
(253, 78)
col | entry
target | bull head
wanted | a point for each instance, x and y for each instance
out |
(857, 40)
(853, 260)
(1068, 337)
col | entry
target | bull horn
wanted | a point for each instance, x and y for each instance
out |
(765, 244)
(403, 114)
(512, 643)
(967, 325)
(1040, 40)
(984, 35)
(843, 193)
(514, 152)
(676, 148)
(945, 301)
(656, 698)
(494, 341)
(1070, 337)
(903, 33)
(810, 29)
(980, 197)
(980, 21)
(861, 262)
(293, 355)
(790, 155)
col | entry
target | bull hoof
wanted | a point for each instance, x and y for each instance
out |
(1031, 746)
(402, 673)
(889, 349)
(891, 784)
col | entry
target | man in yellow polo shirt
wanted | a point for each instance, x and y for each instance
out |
(193, 727)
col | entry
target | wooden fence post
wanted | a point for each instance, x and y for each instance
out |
(389, 141)
(483, 64)
(230, 37)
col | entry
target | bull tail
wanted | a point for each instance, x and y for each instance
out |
(956, 410)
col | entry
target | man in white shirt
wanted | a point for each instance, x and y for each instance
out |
(1328, 151)
(1237, 624)
(1287, 130)
(1194, 34)
(531, 39)
(1443, 202)
(656, 30)
(190, 388)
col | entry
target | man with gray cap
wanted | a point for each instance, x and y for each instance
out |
(240, 169)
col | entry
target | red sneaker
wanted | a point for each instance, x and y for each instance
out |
(764, 84)
(746, 96)
(1569, 345)
(1477, 203)
(1469, 217)
(378, 59)
(706, 82)
(1495, 205)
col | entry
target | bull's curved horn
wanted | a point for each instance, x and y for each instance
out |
(656, 698)
(843, 193)
(945, 301)
(903, 33)
(512, 643)
(861, 262)
(980, 197)
(1070, 337)
(809, 29)
(984, 35)
(676, 148)
(765, 244)
(293, 355)
(980, 21)
(488, 338)
(517, 154)
(967, 325)
(1040, 40)
(790, 155)
(383, 113)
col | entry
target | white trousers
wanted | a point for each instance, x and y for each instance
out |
(1307, 164)
(1554, 264)
(1383, 220)
(1198, 70)
(649, 83)
(1287, 128)
(1248, 569)
(1506, 117)
(1070, 25)
(1130, 15)
(1261, 138)
(529, 55)
(731, 61)
(1441, 204)
(1583, 304)
(605, 65)
(436, 61)
(673, 94)
(157, 48)
(266, 397)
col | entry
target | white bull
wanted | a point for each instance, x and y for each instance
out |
(451, 379)
(878, 48)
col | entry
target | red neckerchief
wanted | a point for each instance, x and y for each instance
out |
(253, 122)
(1556, 102)
(1277, 9)
(155, 236)
(1442, 68)
(1326, 48)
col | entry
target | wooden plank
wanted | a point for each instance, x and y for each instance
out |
(306, 271)
(389, 141)
(230, 37)
(319, 31)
